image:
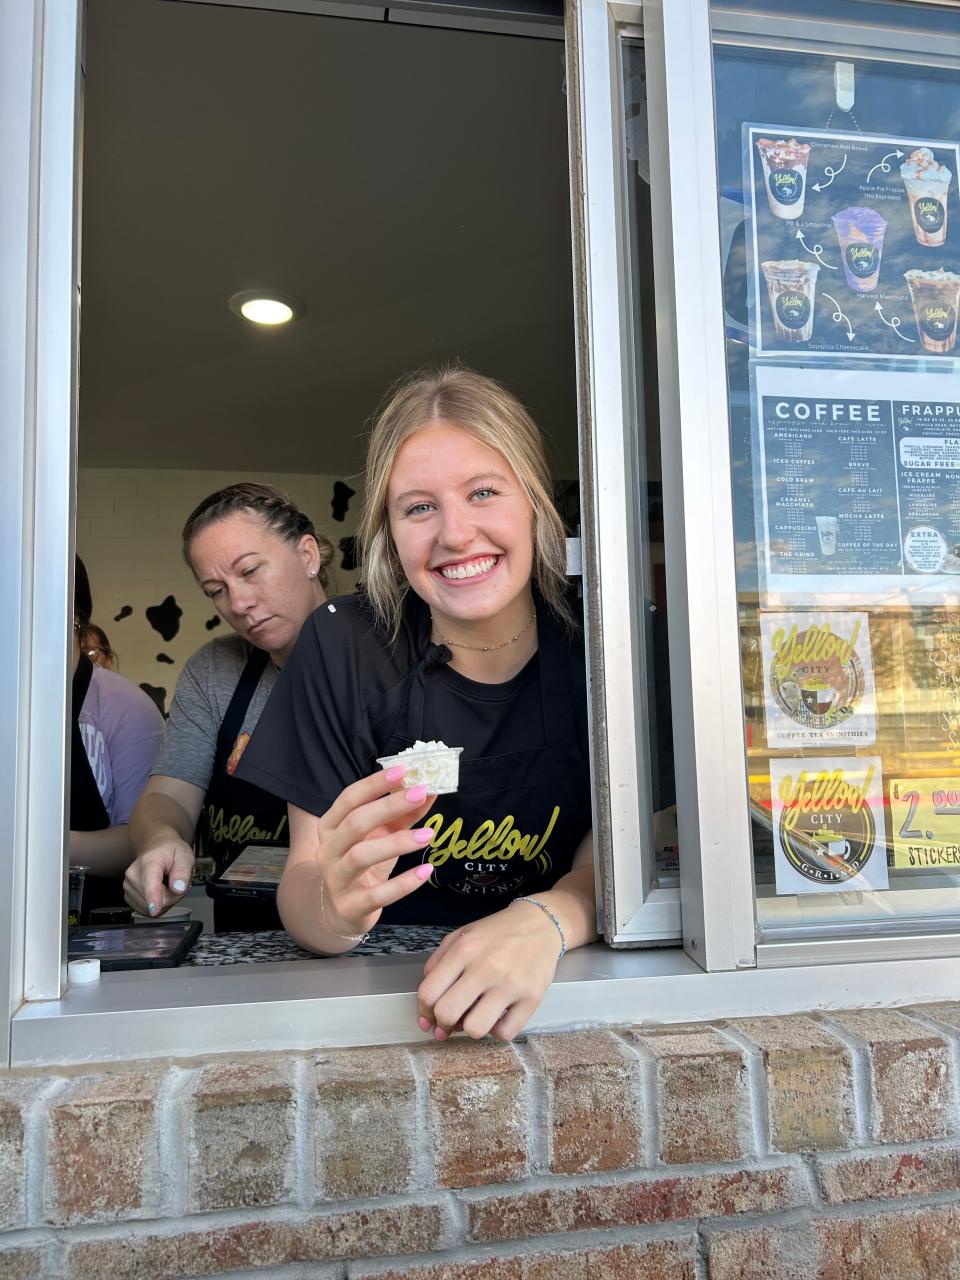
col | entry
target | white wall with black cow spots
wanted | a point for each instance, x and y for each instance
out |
(144, 596)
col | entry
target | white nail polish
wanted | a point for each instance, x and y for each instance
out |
(178, 886)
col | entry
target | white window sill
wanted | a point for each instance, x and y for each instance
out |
(371, 1000)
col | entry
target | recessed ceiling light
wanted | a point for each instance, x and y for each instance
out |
(267, 308)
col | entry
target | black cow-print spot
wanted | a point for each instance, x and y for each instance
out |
(349, 548)
(125, 612)
(340, 504)
(159, 696)
(165, 618)
(165, 657)
(212, 622)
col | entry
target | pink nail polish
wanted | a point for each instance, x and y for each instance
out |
(416, 794)
(424, 872)
(422, 835)
(424, 1023)
(394, 773)
(440, 1034)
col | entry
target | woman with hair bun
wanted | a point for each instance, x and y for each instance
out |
(266, 568)
(462, 633)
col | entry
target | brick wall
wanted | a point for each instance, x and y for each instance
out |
(128, 533)
(799, 1148)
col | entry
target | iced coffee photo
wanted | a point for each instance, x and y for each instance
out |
(860, 233)
(791, 286)
(927, 184)
(935, 296)
(784, 175)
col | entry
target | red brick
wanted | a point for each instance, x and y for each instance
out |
(23, 1263)
(478, 1112)
(647, 1260)
(241, 1127)
(413, 1228)
(102, 1152)
(925, 1172)
(809, 1083)
(17, 1095)
(910, 1074)
(366, 1123)
(702, 1098)
(923, 1245)
(516, 1214)
(592, 1088)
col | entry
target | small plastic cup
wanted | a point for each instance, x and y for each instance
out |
(437, 769)
(75, 894)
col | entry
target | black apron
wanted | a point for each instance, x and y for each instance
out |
(237, 813)
(514, 824)
(87, 810)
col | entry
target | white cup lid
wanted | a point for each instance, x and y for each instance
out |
(81, 971)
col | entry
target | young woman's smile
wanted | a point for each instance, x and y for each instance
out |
(463, 528)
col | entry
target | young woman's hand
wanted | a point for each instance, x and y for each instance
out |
(490, 976)
(337, 879)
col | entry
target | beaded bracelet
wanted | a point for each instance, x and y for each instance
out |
(547, 912)
(347, 937)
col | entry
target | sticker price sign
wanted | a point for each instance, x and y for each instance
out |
(925, 815)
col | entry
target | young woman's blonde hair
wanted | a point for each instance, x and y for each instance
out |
(491, 415)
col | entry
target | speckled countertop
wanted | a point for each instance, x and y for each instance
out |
(253, 948)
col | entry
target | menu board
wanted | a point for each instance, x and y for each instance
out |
(859, 486)
(855, 244)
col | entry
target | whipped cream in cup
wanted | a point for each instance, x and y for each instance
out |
(433, 765)
(927, 184)
(936, 300)
(784, 175)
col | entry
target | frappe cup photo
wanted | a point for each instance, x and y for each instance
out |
(784, 175)
(860, 233)
(936, 297)
(791, 285)
(927, 185)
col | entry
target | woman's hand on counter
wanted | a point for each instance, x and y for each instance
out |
(162, 828)
(489, 977)
(337, 879)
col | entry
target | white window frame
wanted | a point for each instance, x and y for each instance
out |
(353, 1000)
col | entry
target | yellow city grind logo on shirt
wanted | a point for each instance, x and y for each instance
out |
(238, 829)
(483, 859)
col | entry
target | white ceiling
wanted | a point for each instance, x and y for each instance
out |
(408, 183)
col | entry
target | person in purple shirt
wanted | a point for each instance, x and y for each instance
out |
(116, 734)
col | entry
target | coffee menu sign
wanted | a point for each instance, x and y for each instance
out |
(859, 485)
(854, 244)
(818, 677)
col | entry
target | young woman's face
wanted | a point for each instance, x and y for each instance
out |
(262, 585)
(462, 526)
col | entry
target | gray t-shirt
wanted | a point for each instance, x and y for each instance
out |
(199, 705)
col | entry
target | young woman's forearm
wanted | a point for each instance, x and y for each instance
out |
(159, 817)
(303, 912)
(103, 853)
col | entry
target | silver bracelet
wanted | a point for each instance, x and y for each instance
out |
(347, 937)
(547, 912)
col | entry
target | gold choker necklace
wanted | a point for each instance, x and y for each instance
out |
(484, 648)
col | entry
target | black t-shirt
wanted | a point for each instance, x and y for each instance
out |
(343, 699)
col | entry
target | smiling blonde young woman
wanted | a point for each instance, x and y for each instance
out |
(462, 634)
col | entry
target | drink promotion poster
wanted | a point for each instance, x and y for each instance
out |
(925, 815)
(858, 493)
(828, 834)
(855, 243)
(818, 687)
